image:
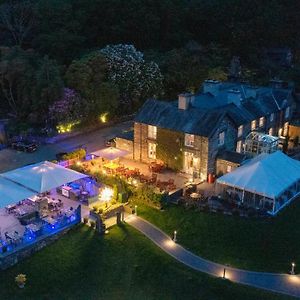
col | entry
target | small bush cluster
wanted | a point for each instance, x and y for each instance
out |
(78, 154)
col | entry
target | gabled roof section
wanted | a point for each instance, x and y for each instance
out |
(167, 115)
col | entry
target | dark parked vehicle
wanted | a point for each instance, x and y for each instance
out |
(111, 142)
(24, 146)
(60, 155)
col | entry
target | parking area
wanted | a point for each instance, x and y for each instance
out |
(12, 159)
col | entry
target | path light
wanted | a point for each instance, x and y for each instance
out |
(293, 268)
(175, 236)
(224, 273)
(135, 210)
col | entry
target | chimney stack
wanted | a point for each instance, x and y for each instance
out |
(184, 100)
(234, 96)
(211, 86)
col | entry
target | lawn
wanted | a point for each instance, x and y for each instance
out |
(121, 265)
(261, 245)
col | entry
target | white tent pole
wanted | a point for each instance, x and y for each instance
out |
(243, 195)
(274, 205)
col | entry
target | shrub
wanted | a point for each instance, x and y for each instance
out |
(20, 279)
(93, 224)
(79, 154)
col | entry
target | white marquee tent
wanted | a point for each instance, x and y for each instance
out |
(11, 192)
(110, 153)
(42, 177)
(273, 176)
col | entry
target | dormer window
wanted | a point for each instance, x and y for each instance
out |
(152, 132)
(240, 131)
(221, 138)
(189, 140)
(287, 112)
(261, 122)
(253, 125)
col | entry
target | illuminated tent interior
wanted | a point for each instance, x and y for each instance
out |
(110, 153)
(269, 180)
(43, 176)
(11, 192)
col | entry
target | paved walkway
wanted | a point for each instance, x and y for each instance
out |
(280, 283)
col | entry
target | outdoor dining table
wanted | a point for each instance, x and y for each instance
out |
(22, 211)
(50, 220)
(33, 227)
(195, 195)
(111, 166)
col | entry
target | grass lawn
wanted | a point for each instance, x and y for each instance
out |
(261, 245)
(121, 265)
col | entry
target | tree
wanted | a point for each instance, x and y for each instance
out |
(135, 78)
(28, 83)
(89, 76)
(16, 78)
(69, 108)
(49, 84)
(17, 17)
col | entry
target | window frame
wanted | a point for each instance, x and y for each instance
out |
(189, 140)
(240, 130)
(261, 122)
(152, 132)
(221, 141)
(253, 127)
(152, 153)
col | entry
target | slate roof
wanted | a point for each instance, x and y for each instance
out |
(231, 156)
(167, 115)
(128, 135)
(207, 109)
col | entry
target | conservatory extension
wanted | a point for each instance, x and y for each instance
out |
(258, 142)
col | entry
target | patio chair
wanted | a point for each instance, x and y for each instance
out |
(171, 181)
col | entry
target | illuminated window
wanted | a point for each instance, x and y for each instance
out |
(240, 131)
(152, 150)
(272, 117)
(261, 122)
(229, 168)
(285, 128)
(239, 146)
(253, 124)
(287, 112)
(271, 131)
(221, 138)
(152, 132)
(189, 140)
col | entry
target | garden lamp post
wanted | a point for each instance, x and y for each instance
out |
(135, 210)
(175, 236)
(224, 273)
(293, 268)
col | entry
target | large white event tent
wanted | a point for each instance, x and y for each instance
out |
(11, 192)
(272, 178)
(110, 153)
(42, 177)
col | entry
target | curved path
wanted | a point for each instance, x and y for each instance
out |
(279, 283)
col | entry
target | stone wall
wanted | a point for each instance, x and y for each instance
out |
(223, 165)
(23, 251)
(140, 144)
(127, 145)
(214, 147)
(11, 259)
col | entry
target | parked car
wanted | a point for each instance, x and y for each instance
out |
(60, 155)
(24, 146)
(111, 142)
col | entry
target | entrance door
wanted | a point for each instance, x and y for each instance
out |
(191, 163)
